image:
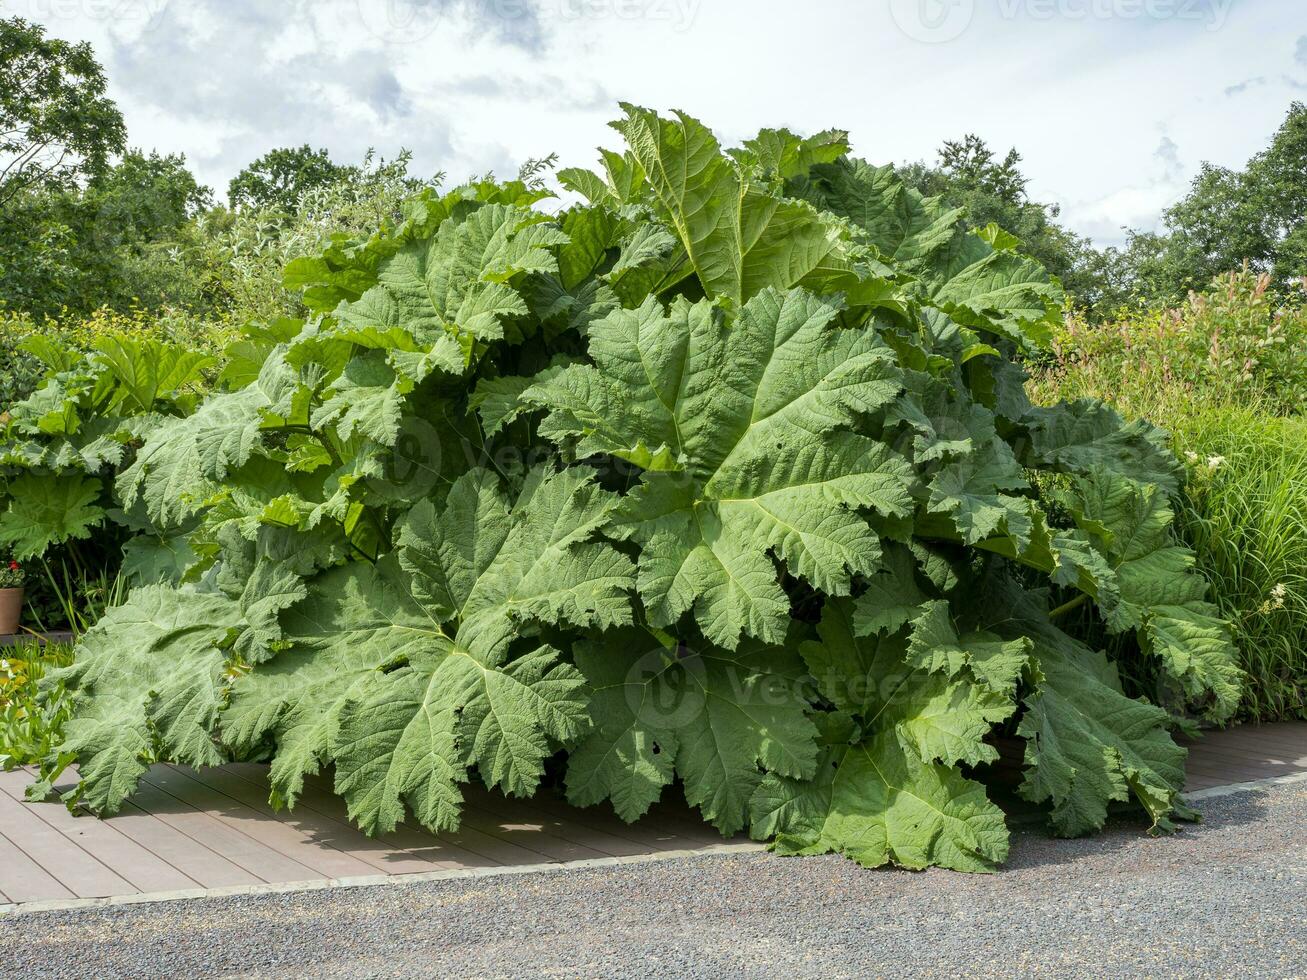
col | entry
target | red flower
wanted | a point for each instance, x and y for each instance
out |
(13, 566)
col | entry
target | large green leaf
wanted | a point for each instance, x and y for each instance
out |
(878, 803)
(48, 510)
(1088, 744)
(1163, 596)
(903, 225)
(1082, 436)
(184, 460)
(146, 370)
(403, 674)
(743, 432)
(740, 236)
(149, 676)
(962, 273)
(939, 703)
(457, 282)
(714, 718)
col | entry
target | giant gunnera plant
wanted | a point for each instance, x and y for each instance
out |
(723, 475)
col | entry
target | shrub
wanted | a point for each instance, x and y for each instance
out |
(724, 475)
(241, 255)
(1235, 344)
(106, 382)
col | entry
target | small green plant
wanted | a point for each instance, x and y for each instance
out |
(81, 595)
(31, 720)
(12, 575)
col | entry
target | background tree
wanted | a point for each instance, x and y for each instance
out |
(1256, 215)
(969, 174)
(56, 123)
(111, 243)
(280, 177)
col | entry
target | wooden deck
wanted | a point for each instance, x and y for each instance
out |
(187, 830)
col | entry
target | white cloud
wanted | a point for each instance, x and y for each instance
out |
(474, 85)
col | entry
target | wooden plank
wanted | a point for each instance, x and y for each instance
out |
(23, 880)
(281, 837)
(60, 857)
(522, 813)
(680, 819)
(1291, 738)
(525, 833)
(1295, 757)
(132, 862)
(259, 860)
(1285, 763)
(1285, 735)
(187, 855)
(321, 829)
(644, 836)
(463, 848)
(453, 849)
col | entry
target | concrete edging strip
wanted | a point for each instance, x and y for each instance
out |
(1248, 787)
(369, 881)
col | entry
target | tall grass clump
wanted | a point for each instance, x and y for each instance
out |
(1226, 374)
(1245, 516)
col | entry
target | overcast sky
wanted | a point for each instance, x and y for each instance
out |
(1113, 103)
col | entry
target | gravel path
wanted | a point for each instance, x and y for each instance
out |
(1222, 899)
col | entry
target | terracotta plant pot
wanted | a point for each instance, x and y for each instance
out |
(11, 610)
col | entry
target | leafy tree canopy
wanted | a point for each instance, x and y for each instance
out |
(1256, 215)
(277, 179)
(56, 123)
(80, 248)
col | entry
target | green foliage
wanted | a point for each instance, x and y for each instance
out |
(1232, 217)
(1236, 343)
(970, 177)
(725, 475)
(113, 242)
(1225, 374)
(101, 392)
(31, 720)
(1245, 516)
(277, 180)
(56, 124)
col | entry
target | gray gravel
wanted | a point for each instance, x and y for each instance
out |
(1222, 899)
